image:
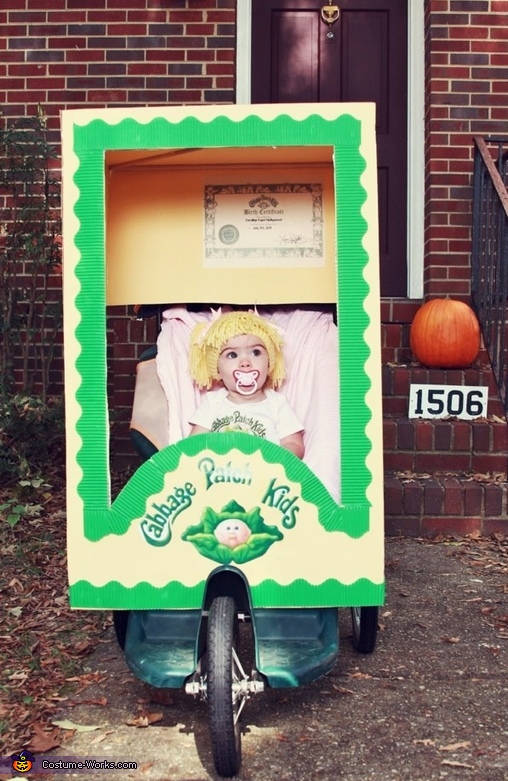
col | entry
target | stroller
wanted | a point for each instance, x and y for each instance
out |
(181, 599)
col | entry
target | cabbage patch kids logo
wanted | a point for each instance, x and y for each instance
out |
(233, 534)
(156, 525)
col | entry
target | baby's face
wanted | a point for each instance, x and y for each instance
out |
(243, 364)
(232, 532)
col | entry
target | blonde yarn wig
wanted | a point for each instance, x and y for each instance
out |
(207, 340)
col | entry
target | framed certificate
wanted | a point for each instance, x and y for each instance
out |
(264, 225)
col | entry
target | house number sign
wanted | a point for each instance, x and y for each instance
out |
(443, 401)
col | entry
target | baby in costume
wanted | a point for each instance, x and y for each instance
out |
(244, 353)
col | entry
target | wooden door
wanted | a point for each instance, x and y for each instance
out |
(294, 60)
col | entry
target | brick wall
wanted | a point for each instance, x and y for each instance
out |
(466, 68)
(75, 53)
(84, 53)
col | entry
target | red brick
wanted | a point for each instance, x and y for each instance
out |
(462, 437)
(408, 527)
(489, 463)
(424, 435)
(413, 497)
(494, 495)
(442, 462)
(495, 526)
(453, 495)
(394, 406)
(398, 461)
(437, 525)
(420, 376)
(405, 435)
(388, 355)
(481, 437)
(473, 497)
(389, 434)
(404, 311)
(401, 381)
(393, 496)
(123, 399)
(500, 437)
(443, 435)
(433, 497)
(392, 335)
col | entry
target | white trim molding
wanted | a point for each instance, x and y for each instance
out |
(243, 50)
(416, 148)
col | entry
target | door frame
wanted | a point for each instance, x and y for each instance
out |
(415, 126)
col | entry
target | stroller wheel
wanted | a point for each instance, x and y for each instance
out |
(120, 620)
(224, 698)
(365, 625)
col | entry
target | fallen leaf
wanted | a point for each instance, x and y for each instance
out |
(66, 724)
(100, 701)
(145, 719)
(43, 741)
(451, 763)
(451, 639)
(455, 746)
(342, 690)
(162, 697)
(153, 718)
(102, 737)
(18, 676)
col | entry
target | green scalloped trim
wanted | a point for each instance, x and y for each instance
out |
(353, 348)
(330, 593)
(90, 143)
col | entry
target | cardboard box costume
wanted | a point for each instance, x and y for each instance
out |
(268, 205)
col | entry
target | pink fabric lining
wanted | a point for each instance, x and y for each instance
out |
(311, 385)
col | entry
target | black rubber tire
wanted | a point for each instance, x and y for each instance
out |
(365, 626)
(120, 621)
(225, 730)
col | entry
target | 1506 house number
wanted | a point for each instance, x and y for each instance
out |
(442, 401)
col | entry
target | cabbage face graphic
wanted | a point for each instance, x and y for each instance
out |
(232, 535)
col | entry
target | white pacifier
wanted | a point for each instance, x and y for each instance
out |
(246, 381)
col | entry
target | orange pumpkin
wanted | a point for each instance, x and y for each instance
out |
(445, 334)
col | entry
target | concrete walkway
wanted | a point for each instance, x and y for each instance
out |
(429, 704)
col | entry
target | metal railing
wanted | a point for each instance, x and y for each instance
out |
(489, 260)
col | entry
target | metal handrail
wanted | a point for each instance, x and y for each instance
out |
(489, 262)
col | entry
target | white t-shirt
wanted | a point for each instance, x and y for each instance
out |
(272, 418)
